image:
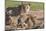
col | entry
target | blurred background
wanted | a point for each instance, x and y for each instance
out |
(34, 5)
